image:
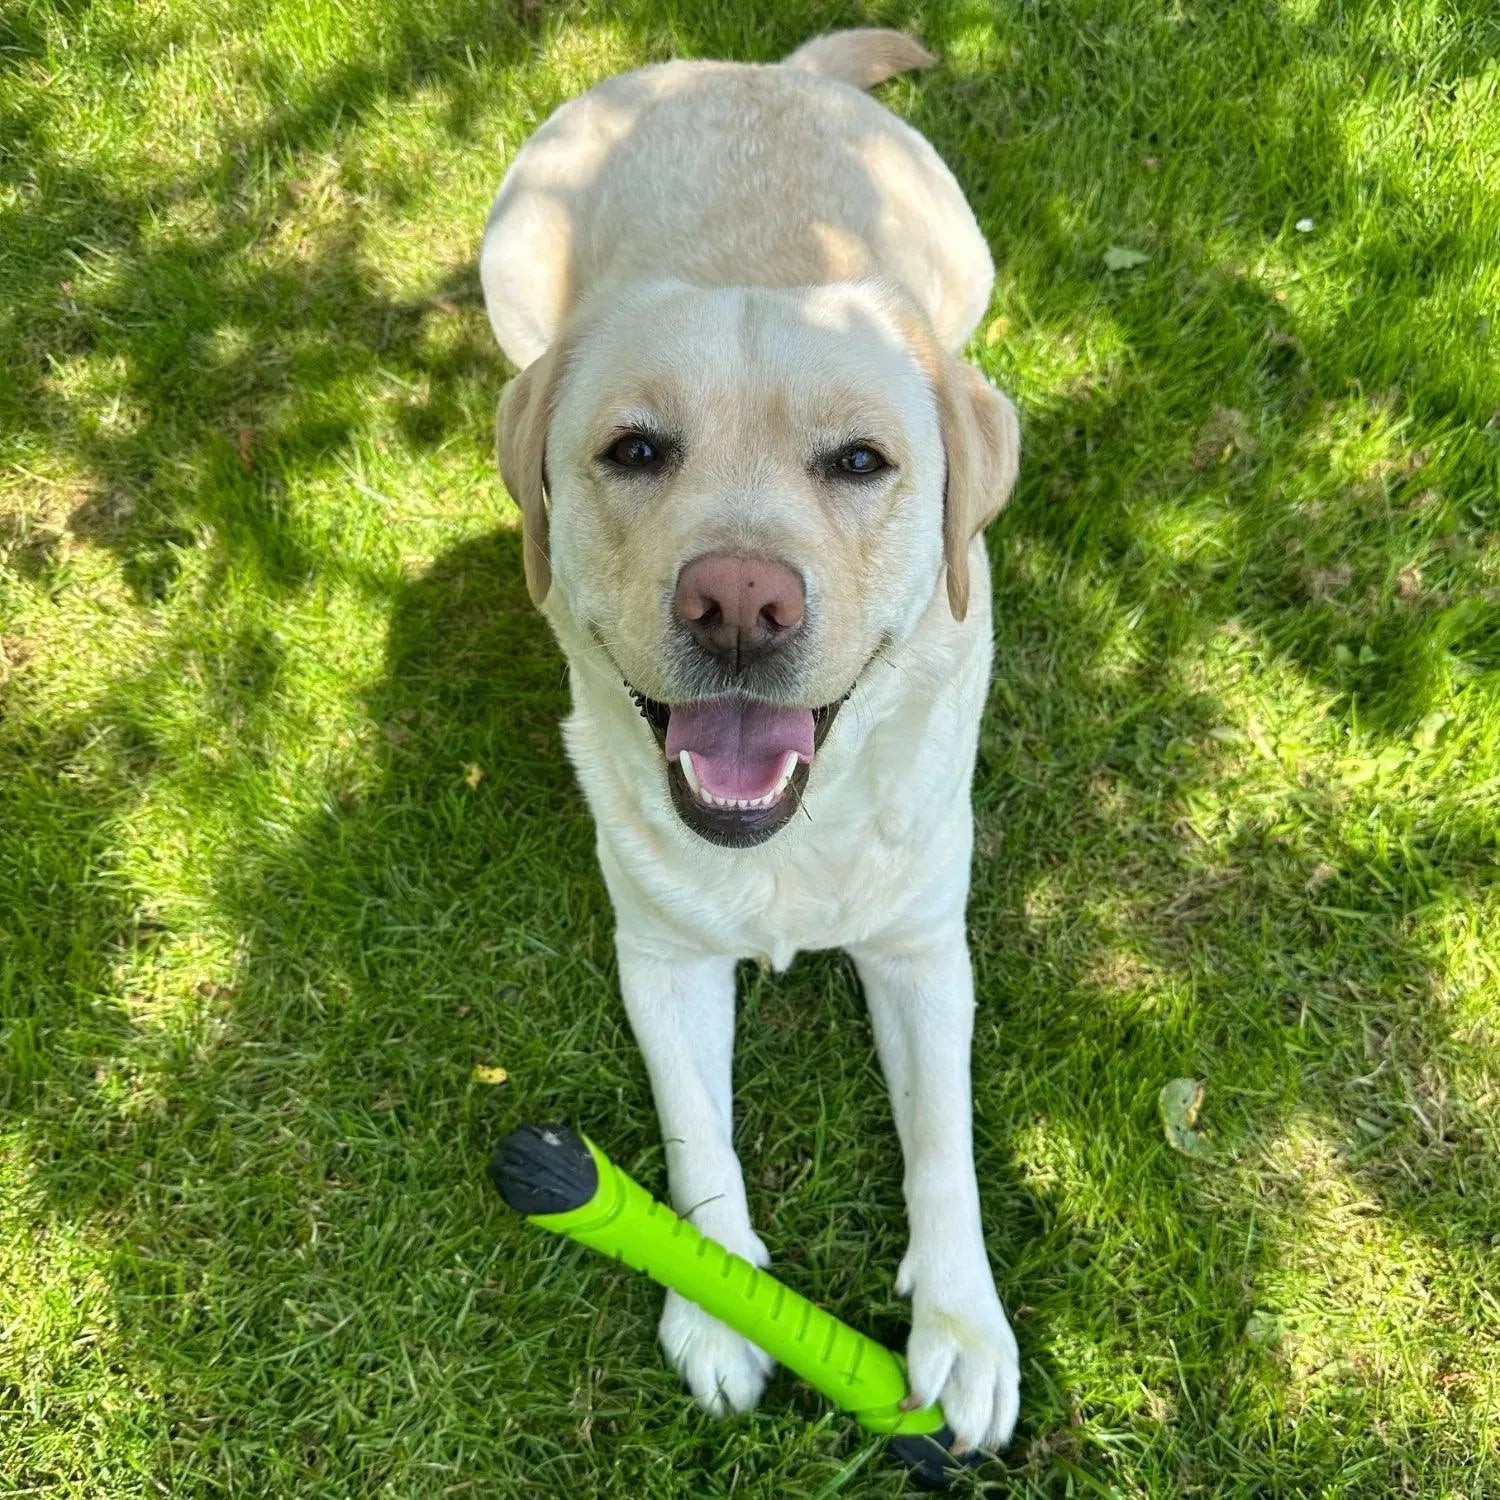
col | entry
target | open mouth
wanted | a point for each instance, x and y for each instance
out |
(736, 767)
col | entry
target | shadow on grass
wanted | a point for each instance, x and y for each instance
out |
(357, 1288)
(234, 366)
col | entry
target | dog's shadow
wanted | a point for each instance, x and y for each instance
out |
(502, 870)
(474, 682)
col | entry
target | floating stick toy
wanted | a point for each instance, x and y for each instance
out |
(563, 1182)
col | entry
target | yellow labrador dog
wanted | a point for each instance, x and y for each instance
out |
(753, 475)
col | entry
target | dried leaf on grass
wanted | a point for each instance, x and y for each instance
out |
(1121, 258)
(1179, 1103)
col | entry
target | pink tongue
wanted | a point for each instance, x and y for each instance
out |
(738, 749)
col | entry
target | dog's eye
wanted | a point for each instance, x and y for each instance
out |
(860, 460)
(634, 450)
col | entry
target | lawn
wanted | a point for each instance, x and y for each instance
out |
(288, 847)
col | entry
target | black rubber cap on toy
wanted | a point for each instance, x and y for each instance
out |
(544, 1169)
(929, 1457)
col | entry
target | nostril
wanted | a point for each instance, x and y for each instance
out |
(782, 613)
(695, 607)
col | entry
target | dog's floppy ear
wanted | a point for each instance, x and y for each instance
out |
(521, 421)
(982, 443)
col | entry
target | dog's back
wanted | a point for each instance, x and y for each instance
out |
(726, 174)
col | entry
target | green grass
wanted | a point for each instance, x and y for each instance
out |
(261, 610)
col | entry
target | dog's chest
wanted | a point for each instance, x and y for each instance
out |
(808, 899)
(863, 864)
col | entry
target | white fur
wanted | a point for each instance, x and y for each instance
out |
(589, 220)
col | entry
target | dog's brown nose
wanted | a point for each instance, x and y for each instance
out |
(738, 607)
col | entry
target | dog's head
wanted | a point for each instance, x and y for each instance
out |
(741, 496)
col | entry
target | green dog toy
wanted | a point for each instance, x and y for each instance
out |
(565, 1183)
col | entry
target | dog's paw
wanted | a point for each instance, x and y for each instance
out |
(963, 1354)
(724, 1371)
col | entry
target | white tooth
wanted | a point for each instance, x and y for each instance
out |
(784, 775)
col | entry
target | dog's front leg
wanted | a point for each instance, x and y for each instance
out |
(681, 1009)
(961, 1351)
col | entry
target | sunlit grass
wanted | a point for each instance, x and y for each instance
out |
(262, 621)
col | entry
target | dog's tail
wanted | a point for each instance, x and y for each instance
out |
(864, 57)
